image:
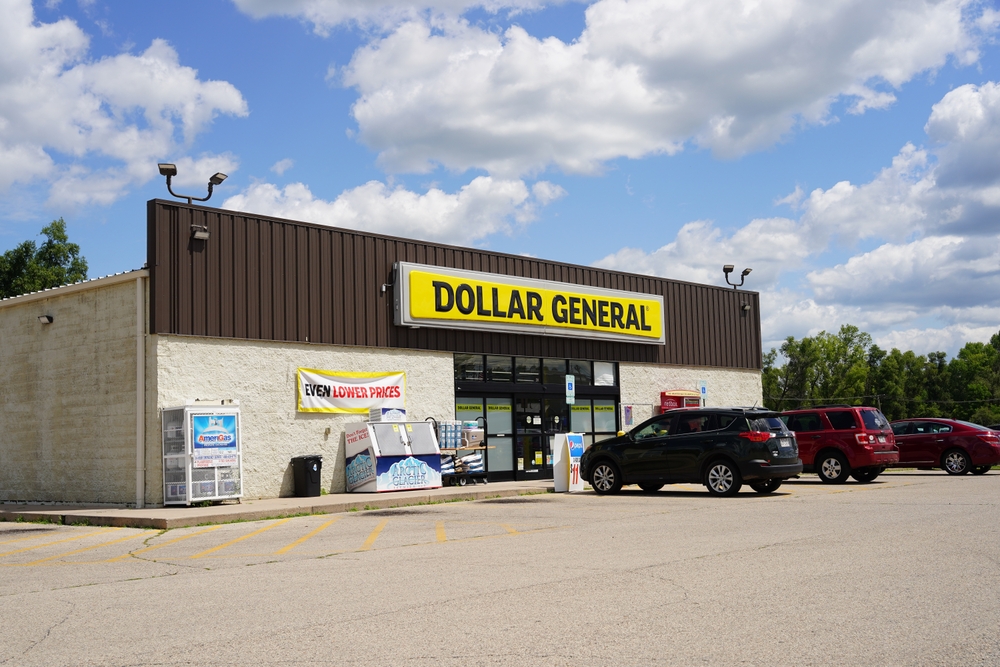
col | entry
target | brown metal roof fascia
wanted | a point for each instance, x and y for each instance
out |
(264, 278)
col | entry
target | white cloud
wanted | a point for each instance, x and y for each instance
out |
(327, 14)
(645, 77)
(933, 282)
(195, 172)
(281, 166)
(483, 207)
(929, 272)
(768, 246)
(58, 109)
(951, 337)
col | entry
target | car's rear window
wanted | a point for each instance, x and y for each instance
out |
(805, 421)
(772, 424)
(842, 420)
(874, 420)
(979, 427)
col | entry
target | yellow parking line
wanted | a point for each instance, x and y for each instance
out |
(240, 539)
(80, 551)
(493, 537)
(374, 535)
(164, 544)
(509, 528)
(22, 539)
(303, 539)
(68, 539)
(441, 535)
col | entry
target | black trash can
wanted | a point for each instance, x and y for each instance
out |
(306, 470)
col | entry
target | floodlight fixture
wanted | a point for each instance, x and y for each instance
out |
(728, 268)
(45, 319)
(170, 170)
(200, 232)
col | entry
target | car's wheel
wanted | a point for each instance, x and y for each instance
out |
(650, 487)
(955, 462)
(980, 470)
(768, 486)
(866, 475)
(606, 478)
(723, 478)
(833, 468)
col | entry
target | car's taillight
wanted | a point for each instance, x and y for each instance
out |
(864, 438)
(991, 438)
(756, 436)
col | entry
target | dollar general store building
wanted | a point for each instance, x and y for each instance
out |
(235, 315)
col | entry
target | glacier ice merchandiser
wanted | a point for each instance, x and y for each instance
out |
(202, 456)
(392, 456)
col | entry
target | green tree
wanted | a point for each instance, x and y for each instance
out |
(974, 380)
(29, 268)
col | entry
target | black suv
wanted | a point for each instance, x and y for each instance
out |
(718, 447)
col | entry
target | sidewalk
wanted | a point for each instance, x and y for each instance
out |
(255, 510)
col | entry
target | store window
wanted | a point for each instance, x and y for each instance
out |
(499, 430)
(468, 409)
(604, 374)
(583, 372)
(469, 367)
(554, 371)
(604, 417)
(499, 369)
(528, 369)
(581, 417)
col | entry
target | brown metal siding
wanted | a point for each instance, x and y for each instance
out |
(264, 278)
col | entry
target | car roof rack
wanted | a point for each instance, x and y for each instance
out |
(833, 405)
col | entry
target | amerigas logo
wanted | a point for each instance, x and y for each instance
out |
(410, 473)
(216, 435)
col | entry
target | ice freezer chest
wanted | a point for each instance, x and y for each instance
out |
(392, 456)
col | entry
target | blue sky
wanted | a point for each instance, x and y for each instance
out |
(847, 150)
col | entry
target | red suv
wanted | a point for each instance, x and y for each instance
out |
(955, 446)
(841, 441)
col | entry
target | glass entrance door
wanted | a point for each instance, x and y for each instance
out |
(533, 459)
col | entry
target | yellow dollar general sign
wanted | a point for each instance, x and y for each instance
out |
(432, 296)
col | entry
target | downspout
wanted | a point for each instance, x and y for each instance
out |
(140, 394)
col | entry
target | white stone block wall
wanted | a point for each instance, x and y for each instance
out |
(641, 385)
(262, 376)
(67, 396)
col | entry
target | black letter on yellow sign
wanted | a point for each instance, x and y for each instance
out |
(516, 305)
(590, 310)
(616, 315)
(632, 317)
(559, 314)
(471, 303)
(535, 306)
(496, 304)
(642, 317)
(480, 302)
(439, 289)
(574, 310)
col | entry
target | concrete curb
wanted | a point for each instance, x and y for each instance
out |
(277, 508)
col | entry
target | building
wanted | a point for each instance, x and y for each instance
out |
(236, 314)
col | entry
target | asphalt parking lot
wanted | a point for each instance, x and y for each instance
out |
(904, 571)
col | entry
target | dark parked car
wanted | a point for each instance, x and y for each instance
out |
(841, 441)
(953, 445)
(718, 447)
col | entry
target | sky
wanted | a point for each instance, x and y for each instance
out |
(848, 151)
